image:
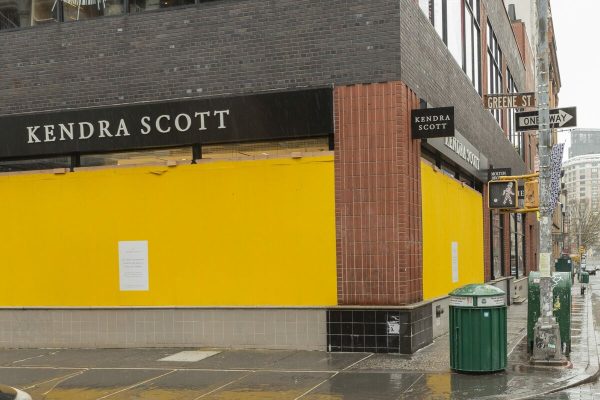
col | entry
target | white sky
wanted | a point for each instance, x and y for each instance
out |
(577, 31)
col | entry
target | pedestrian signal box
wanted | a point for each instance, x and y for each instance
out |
(503, 194)
(532, 195)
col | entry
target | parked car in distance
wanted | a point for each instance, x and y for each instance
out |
(591, 269)
(9, 393)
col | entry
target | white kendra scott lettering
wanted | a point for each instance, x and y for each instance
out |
(459, 148)
(102, 129)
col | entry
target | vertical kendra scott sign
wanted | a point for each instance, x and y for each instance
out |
(272, 116)
(432, 122)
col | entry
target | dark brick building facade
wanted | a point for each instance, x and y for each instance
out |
(382, 58)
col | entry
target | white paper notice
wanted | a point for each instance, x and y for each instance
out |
(133, 265)
(454, 262)
(544, 266)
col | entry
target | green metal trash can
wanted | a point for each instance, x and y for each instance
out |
(563, 264)
(478, 329)
(561, 298)
(584, 280)
(584, 277)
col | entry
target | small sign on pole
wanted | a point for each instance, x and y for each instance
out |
(559, 118)
(430, 123)
(495, 173)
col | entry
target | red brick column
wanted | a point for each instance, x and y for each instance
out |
(378, 196)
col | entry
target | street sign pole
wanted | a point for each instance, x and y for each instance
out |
(547, 344)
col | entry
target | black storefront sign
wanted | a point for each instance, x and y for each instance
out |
(429, 123)
(261, 117)
(495, 173)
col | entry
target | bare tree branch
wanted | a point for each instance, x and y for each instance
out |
(584, 224)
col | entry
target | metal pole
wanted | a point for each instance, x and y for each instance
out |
(547, 335)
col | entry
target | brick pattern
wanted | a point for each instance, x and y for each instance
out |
(194, 327)
(532, 243)
(431, 72)
(210, 49)
(378, 196)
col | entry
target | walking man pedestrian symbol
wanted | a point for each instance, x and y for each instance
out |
(508, 194)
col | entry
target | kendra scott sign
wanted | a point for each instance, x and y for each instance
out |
(84, 130)
(272, 116)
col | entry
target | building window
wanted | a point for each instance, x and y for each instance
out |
(36, 164)
(147, 5)
(180, 155)
(517, 240)
(495, 80)
(23, 13)
(185, 155)
(457, 22)
(248, 151)
(435, 10)
(16, 14)
(472, 34)
(75, 10)
(516, 138)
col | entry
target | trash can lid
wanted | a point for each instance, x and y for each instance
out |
(477, 290)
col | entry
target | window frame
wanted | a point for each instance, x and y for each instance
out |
(495, 72)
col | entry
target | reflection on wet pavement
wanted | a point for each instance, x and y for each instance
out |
(93, 384)
(270, 385)
(589, 391)
(182, 385)
(359, 386)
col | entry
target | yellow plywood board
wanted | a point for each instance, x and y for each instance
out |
(452, 233)
(252, 233)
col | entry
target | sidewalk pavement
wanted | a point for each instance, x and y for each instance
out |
(258, 374)
(521, 380)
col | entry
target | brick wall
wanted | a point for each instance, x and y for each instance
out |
(247, 46)
(430, 70)
(378, 196)
(210, 49)
(532, 242)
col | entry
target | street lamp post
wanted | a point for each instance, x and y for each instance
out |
(547, 346)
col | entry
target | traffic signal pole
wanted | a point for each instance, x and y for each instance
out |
(547, 344)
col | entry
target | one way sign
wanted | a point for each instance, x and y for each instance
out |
(559, 118)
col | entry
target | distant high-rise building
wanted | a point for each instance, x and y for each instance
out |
(584, 141)
(582, 179)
